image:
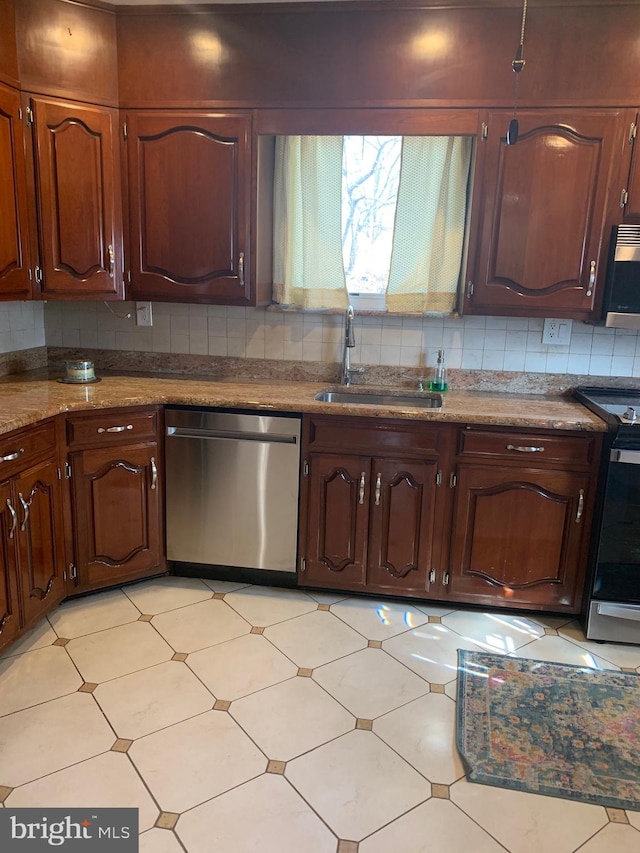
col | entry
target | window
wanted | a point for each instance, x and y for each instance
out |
(381, 217)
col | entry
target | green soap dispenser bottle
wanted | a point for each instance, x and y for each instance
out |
(439, 381)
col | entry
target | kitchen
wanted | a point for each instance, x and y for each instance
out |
(491, 350)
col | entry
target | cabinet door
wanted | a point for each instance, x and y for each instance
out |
(77, 183)
(189, 192)
(116, 514)
(15, 281)
(401, 528)
(9, 614)
(337, 509)
(40, 539)
(544, 205)
(517, 537)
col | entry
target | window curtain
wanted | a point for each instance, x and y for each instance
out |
(429, 231)
(308, 271)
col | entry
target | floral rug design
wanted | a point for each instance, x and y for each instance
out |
(550, 728)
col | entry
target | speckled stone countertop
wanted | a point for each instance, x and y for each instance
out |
(34, 395)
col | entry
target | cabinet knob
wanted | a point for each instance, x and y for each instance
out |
(154, 473)
(115, 428)
(378, 488)
(592, 278)
(241, 269)
(112, 260)
(14, 519)
(525, 449)
(580, 505)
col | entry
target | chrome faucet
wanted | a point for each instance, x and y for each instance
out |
(349, 344)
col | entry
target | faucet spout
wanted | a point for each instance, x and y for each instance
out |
(349, 343)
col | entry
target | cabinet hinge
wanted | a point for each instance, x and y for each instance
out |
(484, 133)
(28, 116)
(73, 572)
(452, 480)
(303, 564)
(470, 289)
(439, 478)
(37, 274)
(305, 468)
(125, 131)
(633, 132)
(67, 471)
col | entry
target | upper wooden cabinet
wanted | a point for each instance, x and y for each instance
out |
(78, 200)
(189, 184)
(542, 207)
(15, 275)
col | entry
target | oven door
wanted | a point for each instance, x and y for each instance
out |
(617, 574)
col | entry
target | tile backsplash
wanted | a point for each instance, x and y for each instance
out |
(470, 343)
(21, 326)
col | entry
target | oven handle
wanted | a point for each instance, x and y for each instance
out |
(627, 457)
(620, 611)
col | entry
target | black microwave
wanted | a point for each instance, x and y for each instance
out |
(622, 289)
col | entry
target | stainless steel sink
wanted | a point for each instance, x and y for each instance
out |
(377, 397)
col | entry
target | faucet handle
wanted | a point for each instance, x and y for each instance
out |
(420, 384)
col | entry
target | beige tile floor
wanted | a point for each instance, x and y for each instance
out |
(242, 718)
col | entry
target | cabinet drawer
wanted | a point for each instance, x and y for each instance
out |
(526, 447)
(112, 426)
(19, 449)
(371, 436)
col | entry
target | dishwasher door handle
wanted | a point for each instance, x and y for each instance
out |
(231, 435)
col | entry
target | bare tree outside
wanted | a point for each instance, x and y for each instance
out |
(370, 178)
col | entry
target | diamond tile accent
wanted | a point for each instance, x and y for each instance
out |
(4, 792)
(347, 846)
(370, 683)
(435, 620)
(193, 761)
(617, 816)
(304, 672)
(219, 596)
(437, 688)
(61, 641)
(291, 718)
(364, 725)
(326, 607)
(257, 630)
(200, 625)
(241, 666)
(357, 784)
(374, 644)
(279, 820)
(441, 792)
(121, 745)
(145, 617)
(221, 705)
(167, 820)
(180, 656)
(87, 687)
(277, 767)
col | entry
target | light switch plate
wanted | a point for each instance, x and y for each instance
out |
(144, 316)
(557, 332)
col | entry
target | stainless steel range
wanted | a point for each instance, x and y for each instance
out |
(613, 611)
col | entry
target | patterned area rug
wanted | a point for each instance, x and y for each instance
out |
(550, 728)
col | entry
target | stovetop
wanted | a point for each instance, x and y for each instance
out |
(619, 407)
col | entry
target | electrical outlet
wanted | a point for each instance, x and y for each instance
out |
(144, 316)
(557, 332)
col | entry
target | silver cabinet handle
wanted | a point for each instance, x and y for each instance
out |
(154, 473)
(580, 505)
(241, 268)
(432, 576)
(378, 488)
(14, 519)
(445, 579)
(361, 494)
(112, 261)
(592, 277)
(525, 449)
(115, 428)
(11, 456)
(25, 506)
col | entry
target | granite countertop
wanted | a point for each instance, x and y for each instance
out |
(29, 397)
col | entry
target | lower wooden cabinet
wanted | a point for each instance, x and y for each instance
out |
(368, 521)
(460, 514)
(116, 492)
(31, 529)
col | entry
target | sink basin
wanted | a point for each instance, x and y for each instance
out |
(377, 397)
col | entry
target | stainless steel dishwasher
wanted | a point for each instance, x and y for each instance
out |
(232, 488)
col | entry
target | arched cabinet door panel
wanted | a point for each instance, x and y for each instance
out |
(15, 280)
(189, 198)
(517, 535)
(545, 208)
(78, 200)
